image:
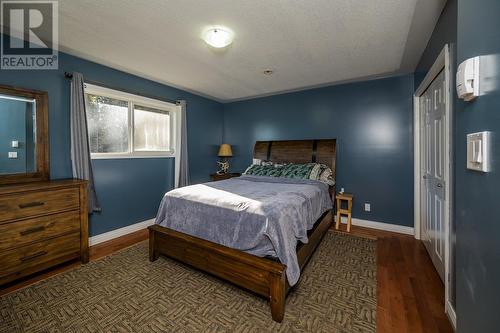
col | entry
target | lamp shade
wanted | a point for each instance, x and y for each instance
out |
(225, 150)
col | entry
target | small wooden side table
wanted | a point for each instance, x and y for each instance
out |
(217, 177)
(340, 198)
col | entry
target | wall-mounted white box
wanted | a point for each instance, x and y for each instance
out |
(15, 144)
(478, 151)
(468, 79)
(12, 154)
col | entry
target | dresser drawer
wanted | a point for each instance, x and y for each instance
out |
(26, 204)
(31, 256)
(20, 233)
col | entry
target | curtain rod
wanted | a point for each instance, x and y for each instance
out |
(69, 75)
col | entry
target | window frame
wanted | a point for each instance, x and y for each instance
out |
(132, 99)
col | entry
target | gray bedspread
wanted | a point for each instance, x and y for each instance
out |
(263, 216)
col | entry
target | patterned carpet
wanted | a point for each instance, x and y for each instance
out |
(126, 293)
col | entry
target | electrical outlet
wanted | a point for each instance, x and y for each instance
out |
(12, 154)
(342, 190)
(368, 207)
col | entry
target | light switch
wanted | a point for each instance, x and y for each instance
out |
(478, 151)
(15, 144)
(12, 154)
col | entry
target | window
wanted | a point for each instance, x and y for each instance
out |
(123, 125)
(107, 120)
(151, 129)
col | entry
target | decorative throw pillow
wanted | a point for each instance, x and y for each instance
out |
(263, 170)
(316, 171)
(325, 175)
(297, 171)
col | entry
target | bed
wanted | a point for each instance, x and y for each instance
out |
(267, 268)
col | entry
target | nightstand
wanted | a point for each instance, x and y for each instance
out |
(340, 198)
(215, 177)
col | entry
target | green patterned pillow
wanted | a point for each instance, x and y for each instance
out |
(298, 171)
(263, 170)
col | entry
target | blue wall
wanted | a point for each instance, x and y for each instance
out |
(129, 189)
(373, 124)
(477, 194)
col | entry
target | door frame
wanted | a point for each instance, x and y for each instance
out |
(443, 62)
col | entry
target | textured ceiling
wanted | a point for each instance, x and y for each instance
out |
(306, 43)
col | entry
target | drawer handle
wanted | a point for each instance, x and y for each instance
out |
(34, 255)
(32, 230)
(31, 204)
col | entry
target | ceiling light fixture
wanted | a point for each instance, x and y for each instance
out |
(218, 37)
(268, 71)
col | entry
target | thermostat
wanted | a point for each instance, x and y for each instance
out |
(478, 151)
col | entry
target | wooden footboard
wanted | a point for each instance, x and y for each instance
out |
(263, 276)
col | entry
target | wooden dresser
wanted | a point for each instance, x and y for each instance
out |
(42, 224)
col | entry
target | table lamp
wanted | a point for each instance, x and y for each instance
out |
(225, 152)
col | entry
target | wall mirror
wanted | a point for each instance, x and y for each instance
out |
(24, 149)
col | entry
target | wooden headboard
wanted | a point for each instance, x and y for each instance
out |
(298, 151)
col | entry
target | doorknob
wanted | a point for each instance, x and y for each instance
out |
(439, 185)
(424, 177)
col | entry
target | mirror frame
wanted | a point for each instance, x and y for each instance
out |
(42, 136)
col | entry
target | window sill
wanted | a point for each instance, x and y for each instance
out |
(118, 157)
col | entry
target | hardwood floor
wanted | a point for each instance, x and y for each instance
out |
(410, 292)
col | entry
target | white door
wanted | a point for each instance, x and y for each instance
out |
(432, 156)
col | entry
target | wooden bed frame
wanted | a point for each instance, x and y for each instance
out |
(263, 276)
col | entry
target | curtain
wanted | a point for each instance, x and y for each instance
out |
(80, 150)
(183, 164)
